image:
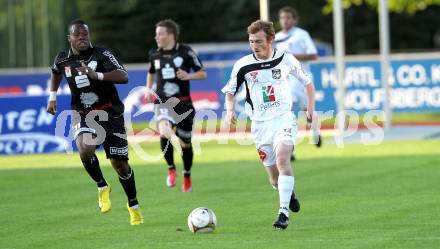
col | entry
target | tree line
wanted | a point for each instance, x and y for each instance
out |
(128, 26)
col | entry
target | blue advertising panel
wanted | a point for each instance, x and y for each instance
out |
(26, 127)
(415, 85)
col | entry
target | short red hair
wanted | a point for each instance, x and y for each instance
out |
(266, 27)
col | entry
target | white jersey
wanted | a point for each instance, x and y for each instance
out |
(267, 84)
(295, 41)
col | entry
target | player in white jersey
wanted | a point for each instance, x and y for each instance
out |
(264, 74)
(294, 40)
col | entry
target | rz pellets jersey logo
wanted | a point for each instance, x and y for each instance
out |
(268, 94)
(269, 98)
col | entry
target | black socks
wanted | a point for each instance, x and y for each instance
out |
(92, 167)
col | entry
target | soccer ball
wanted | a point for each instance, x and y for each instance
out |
(202, 220)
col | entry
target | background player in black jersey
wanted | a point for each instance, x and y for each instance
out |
(170, 65)
(91, 73)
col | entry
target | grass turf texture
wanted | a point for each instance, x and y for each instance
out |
(384, 196)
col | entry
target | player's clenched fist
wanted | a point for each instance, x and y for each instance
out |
(52, 107)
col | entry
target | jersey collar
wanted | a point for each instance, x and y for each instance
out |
(176, 47)
(70, 53)
(274, 52)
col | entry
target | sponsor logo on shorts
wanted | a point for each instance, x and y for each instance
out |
(119, 151)
(262, 154)
(287, 133)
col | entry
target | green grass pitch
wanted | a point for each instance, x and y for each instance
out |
(381, 196)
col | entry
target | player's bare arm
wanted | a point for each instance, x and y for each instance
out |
(310, 89)
(230, 108)
(150, 80)
(183, 75)
(55, 80)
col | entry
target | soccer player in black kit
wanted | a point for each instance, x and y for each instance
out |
(170, 66)
(97, 112)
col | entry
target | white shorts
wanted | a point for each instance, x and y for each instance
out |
(268, 134)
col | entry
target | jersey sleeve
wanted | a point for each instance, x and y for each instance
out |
(194, 62)
(297, 71)
(152, 69)
(110, 62)
(55, 66)
(310, 46)
(232, 86)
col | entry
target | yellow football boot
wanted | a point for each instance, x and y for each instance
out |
(136, 217)
(104, 199)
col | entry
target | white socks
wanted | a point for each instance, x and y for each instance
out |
(285, 189)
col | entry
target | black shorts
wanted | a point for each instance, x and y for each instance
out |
(111, 134)
(180, 116)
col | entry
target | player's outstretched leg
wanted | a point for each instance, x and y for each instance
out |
(168, 153)
(126, 178)
(285, 183)
(91, 165)
(187, 158)
(166, 132)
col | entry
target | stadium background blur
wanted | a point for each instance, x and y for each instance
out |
(403, 186)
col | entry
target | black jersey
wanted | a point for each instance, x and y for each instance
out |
(165, 63)
(88, 94)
